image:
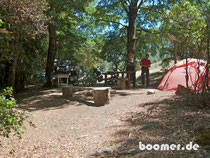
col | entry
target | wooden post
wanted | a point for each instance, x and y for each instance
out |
(129, 77)
(175, 48)
(112, 82)
(106, 79)
(101, 96)
(122, 74)
(121, 84)
(58, 81)
(67, 92)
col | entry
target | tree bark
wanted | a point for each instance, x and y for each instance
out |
(208, 55)
(186, 56)
(67, 92)
(11, 80)
(131, 32)
(175, 53)
(19, 77)
(51, 54)
(17, 85)
(101, 96)
(121, 83)
(6, 73)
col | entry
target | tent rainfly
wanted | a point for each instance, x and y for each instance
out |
(177, 75)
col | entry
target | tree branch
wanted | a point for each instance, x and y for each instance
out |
(112, 22)
(142, 1)
(123, 4)
(127, 2)
(148, 31)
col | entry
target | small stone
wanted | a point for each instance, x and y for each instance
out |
(109, 149)
(151, 91)
(149, 125)
(124, 143)
(129, 136)
(101, 151)
(83, 136)
(129, 151)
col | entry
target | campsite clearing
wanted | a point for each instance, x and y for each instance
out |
(76, 128)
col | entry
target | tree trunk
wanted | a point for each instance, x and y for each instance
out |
(131, 33)
(182, 53)
(11, 80)
(175, 53)
(186, 56)
(208, 57)
(67, 92)
(51, 54)
(121, 83)
(19, 77)
(6, 73)
(18, 83)
(101, 96)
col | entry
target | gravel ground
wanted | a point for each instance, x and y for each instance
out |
(74, 128)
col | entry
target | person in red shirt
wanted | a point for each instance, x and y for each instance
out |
(145, 63)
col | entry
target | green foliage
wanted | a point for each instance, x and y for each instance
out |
(1, 22)
(11, 120)
(24, 18)
(148, 43)
(87, 55)
(105, 66)
(34, 56)
(89, 79)
(91, 32)
(187, 22)
(24, 22)
(114, 49)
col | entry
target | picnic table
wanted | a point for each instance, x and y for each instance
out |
(62, 79)
(119, 77)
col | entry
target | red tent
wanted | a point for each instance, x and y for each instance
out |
(176, 75)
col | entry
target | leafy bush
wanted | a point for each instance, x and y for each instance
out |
(11, 120)
(89, 79)
(39, 82)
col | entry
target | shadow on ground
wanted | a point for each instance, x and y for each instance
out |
(33, 99)
(166, 121)
(48, 99)
(155, 79)
(125, 92)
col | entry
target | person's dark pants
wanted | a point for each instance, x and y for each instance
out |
(145, 70)
(132, 78)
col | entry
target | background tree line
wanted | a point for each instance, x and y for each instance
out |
(34, 33)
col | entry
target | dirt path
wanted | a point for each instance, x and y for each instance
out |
(73, 128)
